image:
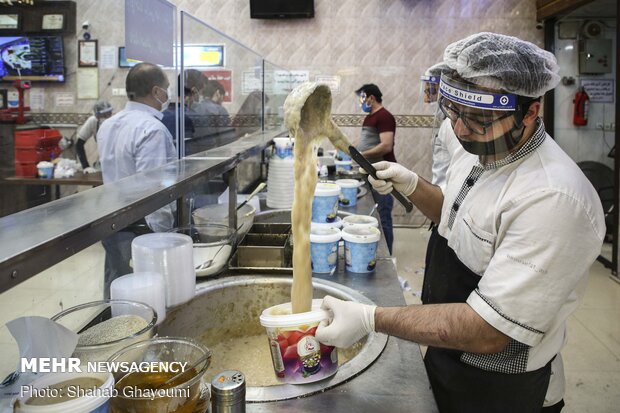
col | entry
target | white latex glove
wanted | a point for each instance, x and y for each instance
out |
(90, 170)
(348, 322)
(392, 175)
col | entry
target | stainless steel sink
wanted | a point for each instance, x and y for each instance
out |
(268, 247)
(231, 307)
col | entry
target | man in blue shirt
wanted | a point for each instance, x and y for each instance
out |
(132, 141)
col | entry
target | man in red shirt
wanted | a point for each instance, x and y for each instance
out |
(377, 144)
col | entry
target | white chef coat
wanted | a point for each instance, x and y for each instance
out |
(132, 141)
(444, 145)
(530, 225)
(88, 129)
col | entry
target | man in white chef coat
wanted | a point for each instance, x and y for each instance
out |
(519, 225)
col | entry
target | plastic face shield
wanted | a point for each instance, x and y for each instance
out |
(429, 89)
(485, 122)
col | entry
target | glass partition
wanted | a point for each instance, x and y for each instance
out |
(278, 84)
(222, 87)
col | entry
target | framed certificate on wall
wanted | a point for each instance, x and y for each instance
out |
(87, 53)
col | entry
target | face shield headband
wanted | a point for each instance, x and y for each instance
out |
(480, 112)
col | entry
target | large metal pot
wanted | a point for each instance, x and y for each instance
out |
(231, 306)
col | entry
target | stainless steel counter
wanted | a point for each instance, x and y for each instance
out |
(397, 380)
(37, 238)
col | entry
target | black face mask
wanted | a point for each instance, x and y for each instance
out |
(498, 146)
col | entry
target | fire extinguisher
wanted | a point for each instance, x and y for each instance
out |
(580, 112)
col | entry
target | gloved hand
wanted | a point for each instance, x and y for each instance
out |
(348, 322)
(90, 170)
(390, 175)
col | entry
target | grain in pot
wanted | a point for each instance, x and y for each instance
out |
(307, 115)
(113, 329)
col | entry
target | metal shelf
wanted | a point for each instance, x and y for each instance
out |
(35, 239)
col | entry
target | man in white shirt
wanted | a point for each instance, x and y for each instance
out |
(132, 141)
(519, 226)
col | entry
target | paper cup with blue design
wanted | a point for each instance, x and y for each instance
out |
(325, 202)
(342, 156)
(284, 147)
(348, 189)
(360, 248)
(45, 169)
(324, 249)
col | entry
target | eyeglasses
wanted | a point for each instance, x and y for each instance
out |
(473, 123)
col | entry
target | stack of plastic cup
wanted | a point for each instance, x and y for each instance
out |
(281, 176)
(172, 256)
(147, 287)
(284, 147)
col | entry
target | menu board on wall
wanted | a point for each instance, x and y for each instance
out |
(149, 31)
(599, 90)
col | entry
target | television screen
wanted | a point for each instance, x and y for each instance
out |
(281, 9)
(123, 61)
(36, 58)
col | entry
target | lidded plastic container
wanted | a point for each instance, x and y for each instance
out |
(348, 188)
(297, 355)
(360, 220)
(325, 202)
(360, 248)
(324, 249)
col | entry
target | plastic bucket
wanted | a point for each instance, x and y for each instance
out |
(93, 400)
(337, 223)
(348, 188)
(324, 249)
(360, 247)
(325, 202)
(343, 165)
(297, 356)
(284, 147)
(360, 220)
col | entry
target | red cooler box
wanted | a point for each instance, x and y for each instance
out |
(33, 145)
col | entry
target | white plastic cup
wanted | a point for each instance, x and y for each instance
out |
(343, 165)
(360, 248)
(324, 249)
(325, 202)
(146, 287)
(360, 220)
(296, 354)
(284, 147)
(97, 401)
(171, 255)
(348, 188)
